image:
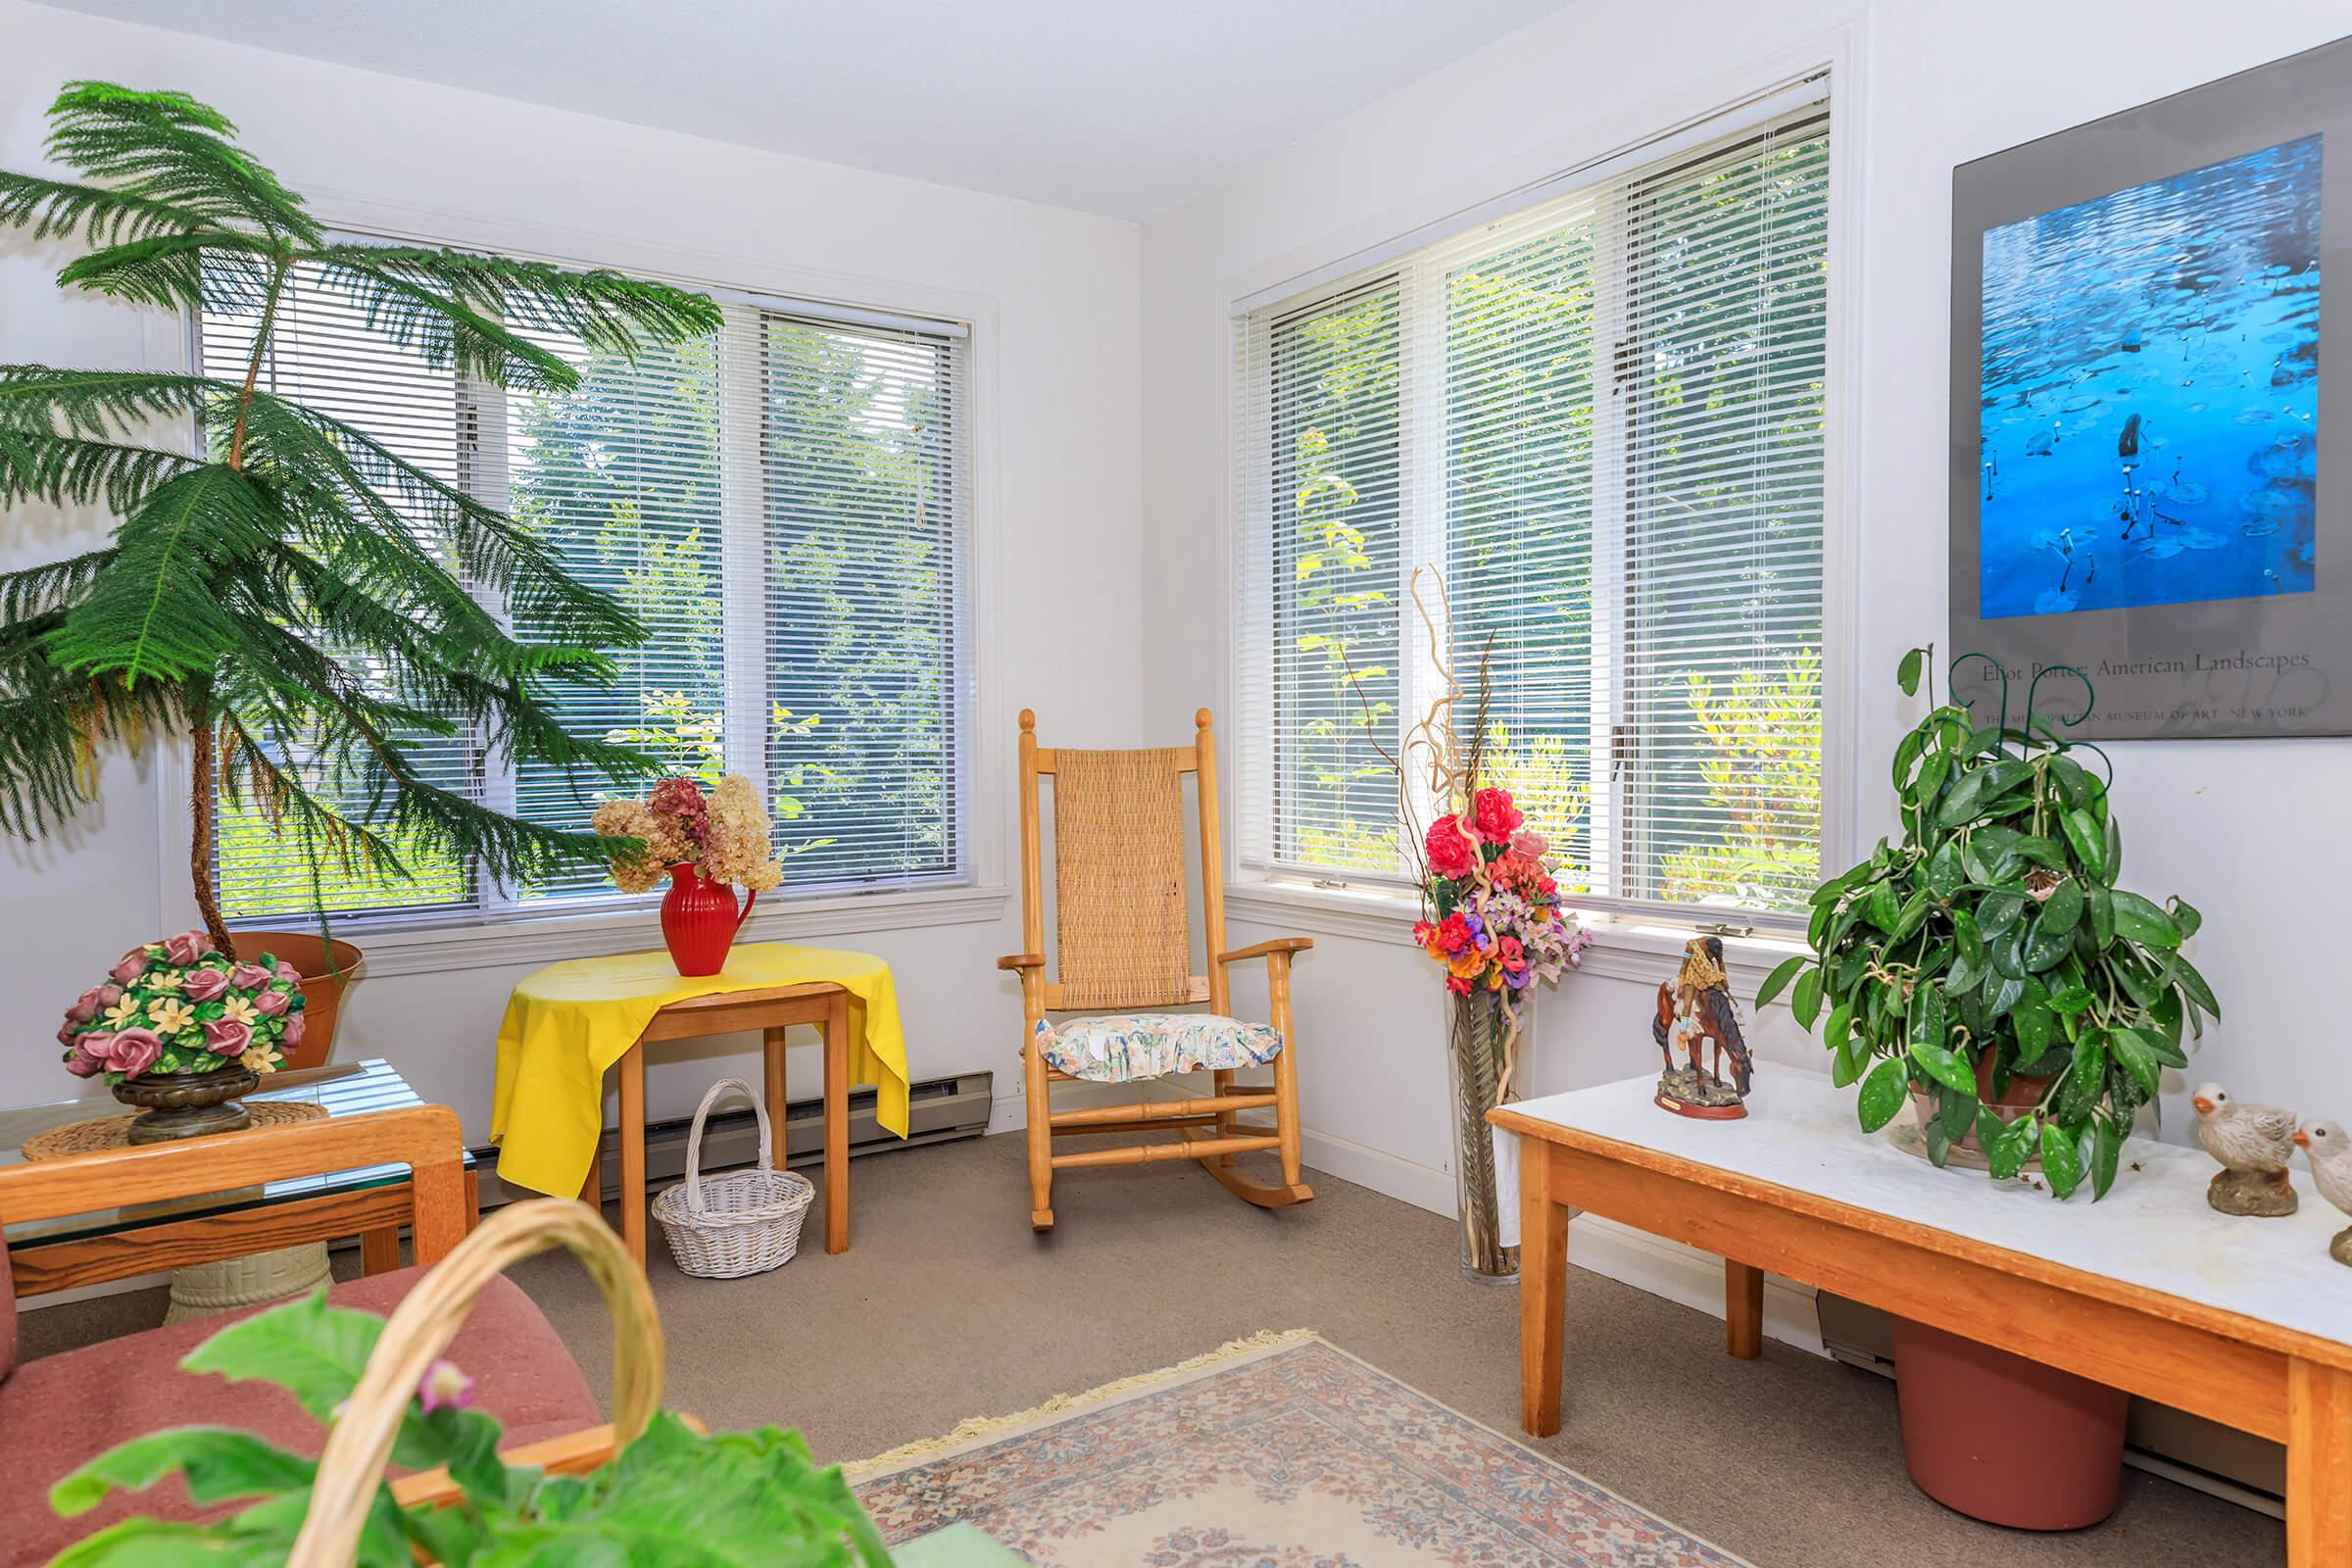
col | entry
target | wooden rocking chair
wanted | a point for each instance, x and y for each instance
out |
(1124, 943)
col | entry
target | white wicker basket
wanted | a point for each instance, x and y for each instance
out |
(744, 1222)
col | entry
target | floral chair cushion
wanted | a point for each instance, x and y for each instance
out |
(1121, 1047)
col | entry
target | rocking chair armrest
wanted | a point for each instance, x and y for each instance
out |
(1286, 946)
(1022, 960)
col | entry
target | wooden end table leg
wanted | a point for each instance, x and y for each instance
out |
(379, 1251)
(1543, 1290)
(473, 1199)
(771, 1054)
(632, 1152)
(2319, 1466)
(837, 1122)
(1742, 1309)
(592, 1185)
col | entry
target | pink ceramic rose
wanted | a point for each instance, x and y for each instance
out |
(65, 1033)
(294, 1028)
(270, 1003)
(134, 1051)
(250, 977)
(91, 1003)
(89, 1057)
(227, 1036)
(204, 985)
(184, 948)
(288, 973)
(133, 965)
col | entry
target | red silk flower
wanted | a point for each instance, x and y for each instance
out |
(1448, 850)
(1496, 817)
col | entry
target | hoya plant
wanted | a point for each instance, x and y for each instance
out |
(1993, 946)
(673, 1495)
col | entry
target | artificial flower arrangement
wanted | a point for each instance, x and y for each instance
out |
(1491, 916)
(182, 1006)
(724, 835)
(1488, 880)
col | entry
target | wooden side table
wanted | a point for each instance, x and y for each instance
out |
(770, 1010)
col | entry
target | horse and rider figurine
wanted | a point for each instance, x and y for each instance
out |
(1695, 1012)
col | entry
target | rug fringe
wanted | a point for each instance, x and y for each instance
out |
(980, 1426)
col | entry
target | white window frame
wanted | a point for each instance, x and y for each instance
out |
(415, 941)
(1630, 936)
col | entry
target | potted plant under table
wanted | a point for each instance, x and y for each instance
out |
(1989, 970)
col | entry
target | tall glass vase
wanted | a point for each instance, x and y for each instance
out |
(1487, 1194)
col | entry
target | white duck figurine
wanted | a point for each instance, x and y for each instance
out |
(2330, 1151)
(2254, 1145)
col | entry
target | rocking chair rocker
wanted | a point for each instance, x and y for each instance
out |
(1124, 942)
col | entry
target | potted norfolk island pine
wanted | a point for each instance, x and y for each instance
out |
(1988, 971)
(309, 609)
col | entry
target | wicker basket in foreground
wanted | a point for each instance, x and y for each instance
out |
(358, 1444)
(744, 1222)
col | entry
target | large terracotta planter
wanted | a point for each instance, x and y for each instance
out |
(2004, 1439)
(325, 970)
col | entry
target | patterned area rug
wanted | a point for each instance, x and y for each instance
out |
(1281, 1451)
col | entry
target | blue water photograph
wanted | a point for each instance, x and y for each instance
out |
(2150, 395)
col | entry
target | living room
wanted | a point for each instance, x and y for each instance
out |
(963, 426)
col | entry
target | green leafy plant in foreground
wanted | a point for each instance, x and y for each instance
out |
(673, 1496)
(1994, 933)
(318, 615)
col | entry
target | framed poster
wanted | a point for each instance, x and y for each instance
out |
(2152, 418)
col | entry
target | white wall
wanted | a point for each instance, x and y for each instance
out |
(2245, 830)
(1059, 288)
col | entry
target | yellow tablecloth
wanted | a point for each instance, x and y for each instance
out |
(570, 1021)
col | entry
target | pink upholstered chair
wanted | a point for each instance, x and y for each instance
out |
(58, 1412)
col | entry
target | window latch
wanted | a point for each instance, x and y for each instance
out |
(1723, 928)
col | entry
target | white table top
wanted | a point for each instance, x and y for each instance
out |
(2152, 1229)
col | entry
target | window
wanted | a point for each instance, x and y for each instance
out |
(1601, 417)
(783, 505)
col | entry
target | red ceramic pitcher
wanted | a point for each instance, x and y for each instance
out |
(699, 920)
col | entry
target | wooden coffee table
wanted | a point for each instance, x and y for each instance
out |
(2246, 1322)
(770, 1010)
(371, 1200)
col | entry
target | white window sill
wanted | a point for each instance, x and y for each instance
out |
(1641, 947)
(490, 941)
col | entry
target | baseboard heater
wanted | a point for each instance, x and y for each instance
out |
(2228, 1463)
(937, 1109)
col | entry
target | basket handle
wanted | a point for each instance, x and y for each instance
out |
(694, 1137)
(359, 1443)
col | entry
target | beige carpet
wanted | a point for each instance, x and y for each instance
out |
(947, 1306)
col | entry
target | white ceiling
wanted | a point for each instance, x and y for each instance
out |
(1123, 107)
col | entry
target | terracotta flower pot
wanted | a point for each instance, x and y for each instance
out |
(325, 974)
(2004, 1439)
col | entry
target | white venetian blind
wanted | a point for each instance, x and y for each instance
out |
(325, 355)
(1601, 416)
(861, 492)
(1320, 590)
(621, 477)
(784, 505)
